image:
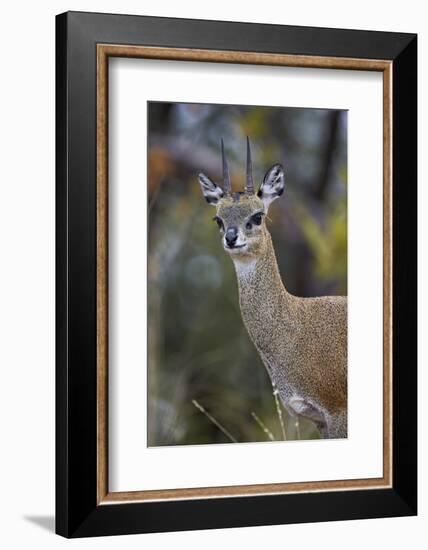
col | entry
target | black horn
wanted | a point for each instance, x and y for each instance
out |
(249, 186)
(227, 188)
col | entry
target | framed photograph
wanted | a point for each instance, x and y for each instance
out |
(236, 274)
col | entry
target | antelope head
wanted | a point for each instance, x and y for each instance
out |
(240, 216)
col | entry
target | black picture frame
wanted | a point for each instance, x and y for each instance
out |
(77, 512)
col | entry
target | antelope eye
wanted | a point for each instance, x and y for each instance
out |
(257, 218)
(219, 222)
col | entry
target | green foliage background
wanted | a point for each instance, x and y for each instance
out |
(198, 346)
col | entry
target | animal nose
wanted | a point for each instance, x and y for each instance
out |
(231, 236)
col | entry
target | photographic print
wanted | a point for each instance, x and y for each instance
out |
(210, 234)
(247, 274)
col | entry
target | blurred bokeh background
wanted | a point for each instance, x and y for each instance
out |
(203, 370)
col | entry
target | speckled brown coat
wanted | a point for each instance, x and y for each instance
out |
(302, 342)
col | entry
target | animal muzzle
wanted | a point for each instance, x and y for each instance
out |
(231, 236)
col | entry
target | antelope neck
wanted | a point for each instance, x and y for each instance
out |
(262, 295)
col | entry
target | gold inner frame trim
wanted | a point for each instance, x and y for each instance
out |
(104, 51)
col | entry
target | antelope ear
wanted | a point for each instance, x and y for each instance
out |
(273, 185)
(211, 191)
